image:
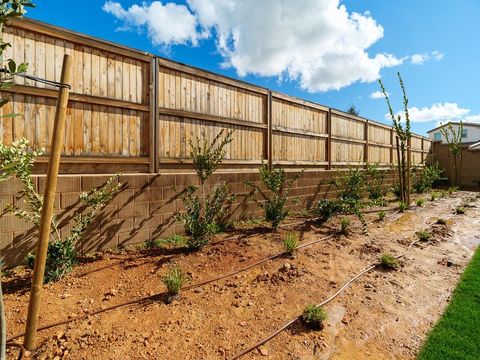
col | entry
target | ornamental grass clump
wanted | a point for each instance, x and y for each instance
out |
(174, 281)
(290, 244)
(388, 261)
(441, 221)
(381, 215)
(460, 210)
(344, 225)
(314, 316)
(273, 201)
(205, 214)
(402, 206)
(420, 202)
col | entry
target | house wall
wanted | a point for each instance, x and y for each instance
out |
(473, 133)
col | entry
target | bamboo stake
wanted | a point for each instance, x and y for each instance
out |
(47, 208)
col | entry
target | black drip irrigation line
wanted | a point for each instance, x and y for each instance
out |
(44, 81)
(164, 293)
(331, 298)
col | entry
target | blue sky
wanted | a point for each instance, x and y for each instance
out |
(309, 48)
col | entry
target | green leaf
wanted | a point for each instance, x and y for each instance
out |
(12, 66)
(22, 68)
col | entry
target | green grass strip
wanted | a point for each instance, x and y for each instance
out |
(457, 333)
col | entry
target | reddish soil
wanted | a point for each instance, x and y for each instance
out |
(384, 315)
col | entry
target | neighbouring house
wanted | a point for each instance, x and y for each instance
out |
(470, 133)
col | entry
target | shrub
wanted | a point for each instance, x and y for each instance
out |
(427, 177)
(16, 159)
(290, 243)
(344, 225)
(433, 196)
(205, 214)
(460, 210)
(441, 221)
(314, 316)
(273, 204)
(375, 184)
(402, 206)
(325, 209)
(174, 281)
(381, 215)
(389, 261)
(420, 202)
(424, 235)
(200, 216)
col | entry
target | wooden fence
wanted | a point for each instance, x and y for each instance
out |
(133, 111)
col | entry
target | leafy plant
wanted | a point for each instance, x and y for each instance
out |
(389, 261)
(452, 189)
(454, 140)
(344, 225)
(205, 214)
(381, 215)
(404, 135)
(326, 208)
(201, 215)
(460, 210)
(402, 206)
(433, 196)
(441, 221)
(376, 182)
(313, 316)
(61, 256)
(174, 281)
(290, 243)
(274, 200)
(420, 202)
(427, 177)
(424, 235)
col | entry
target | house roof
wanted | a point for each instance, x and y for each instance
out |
(455, 123)
(475, 146)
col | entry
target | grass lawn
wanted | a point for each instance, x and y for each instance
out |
(457, 334)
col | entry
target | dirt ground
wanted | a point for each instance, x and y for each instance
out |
(384, 315)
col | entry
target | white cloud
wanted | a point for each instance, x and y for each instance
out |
(472, 118)
(316, 42)
(377, 95)
(439, 112)
(419, 59)
(166, 24)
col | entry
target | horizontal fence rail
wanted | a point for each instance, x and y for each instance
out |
(132, 111)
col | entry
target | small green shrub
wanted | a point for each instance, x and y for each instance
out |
(325, 209)
(441, 221)
(344, 225)
(389, 261)
(376, 182)
(424, 235)
(402, 206)
(174, 281)
(420, 202)
(314, 316)
(290, 243)
(275, 180)
(425, 178)
(381, 215)
(460, 210)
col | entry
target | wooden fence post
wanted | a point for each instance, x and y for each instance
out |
(269, 131)
(329, 139)
(153, 146)
(391, 147)
(365, 152)
(47, 208)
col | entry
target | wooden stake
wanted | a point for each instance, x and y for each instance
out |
(409, 161)
(47, 209)
(399, 164)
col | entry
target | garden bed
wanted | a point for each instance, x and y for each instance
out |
(382, 316)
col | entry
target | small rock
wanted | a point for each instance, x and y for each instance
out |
(59, 335)
(450, 263)
(243, 323)
(263, 351)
